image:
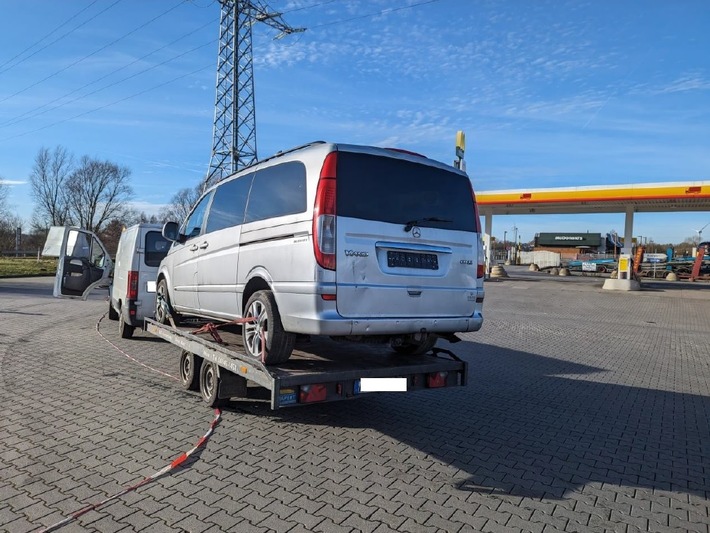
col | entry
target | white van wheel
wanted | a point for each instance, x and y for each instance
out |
(265, 338)
(112, 314)
(125, 330)
(417, 347)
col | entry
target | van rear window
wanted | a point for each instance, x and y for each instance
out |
(392, 190)
(156, 247)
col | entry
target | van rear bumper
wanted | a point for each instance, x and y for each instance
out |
(304, 311)
(380, 326)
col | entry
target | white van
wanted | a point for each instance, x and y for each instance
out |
(85, 265)
(355, 242)
(141, 248)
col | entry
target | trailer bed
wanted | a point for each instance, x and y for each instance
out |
(319, 370)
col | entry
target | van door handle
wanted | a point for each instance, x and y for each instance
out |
(193, 248)
(414, 292)
(204, 245)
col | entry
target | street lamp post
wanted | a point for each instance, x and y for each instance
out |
(505, 245)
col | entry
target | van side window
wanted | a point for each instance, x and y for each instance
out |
(193, 225)
(156, 247)
(277, 191)
(229, 203)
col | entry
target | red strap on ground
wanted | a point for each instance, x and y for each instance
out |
(174, 464)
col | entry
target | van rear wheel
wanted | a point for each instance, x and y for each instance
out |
(112, 314)
(125, 330)
(417, 347)
(264, 337)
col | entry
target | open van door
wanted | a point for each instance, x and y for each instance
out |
(84, 264)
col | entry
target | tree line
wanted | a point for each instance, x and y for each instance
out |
(87, 192)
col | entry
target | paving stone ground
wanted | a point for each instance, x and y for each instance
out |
(586, 410)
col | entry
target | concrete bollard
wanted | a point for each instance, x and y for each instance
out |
(564, 272)
(672, 276)
(554, 271)
(533, 268)
(498, 272)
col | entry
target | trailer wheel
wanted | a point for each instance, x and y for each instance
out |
(418, 347)
(125, 330)
(209, 384)
(112, 314)
(267, 328)
(190, 365)
(163, 308)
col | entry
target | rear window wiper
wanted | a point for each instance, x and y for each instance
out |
(409, 225)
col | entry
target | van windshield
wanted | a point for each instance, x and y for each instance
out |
(403, 192)
(156, 247)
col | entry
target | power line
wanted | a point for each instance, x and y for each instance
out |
(60, 37)
(134, 75)
(109, 104)
(48, 35)
(93, 53)
(36, 111)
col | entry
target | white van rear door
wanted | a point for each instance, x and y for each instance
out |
(407, 240)
(84, 264)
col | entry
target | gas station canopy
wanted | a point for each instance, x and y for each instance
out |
(641, 197)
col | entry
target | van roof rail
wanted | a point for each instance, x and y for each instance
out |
(282, 152)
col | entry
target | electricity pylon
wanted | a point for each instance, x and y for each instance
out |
(234, 130)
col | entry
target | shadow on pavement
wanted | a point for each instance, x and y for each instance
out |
(533, 426)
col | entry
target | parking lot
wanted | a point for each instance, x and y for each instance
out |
(586, 410)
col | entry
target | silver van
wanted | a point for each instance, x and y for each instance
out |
(355, 242)
(141, 248)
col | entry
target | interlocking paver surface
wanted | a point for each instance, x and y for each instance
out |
(586, 410)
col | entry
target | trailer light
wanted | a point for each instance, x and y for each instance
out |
(328, 297)
(436, 379)
(312, 393)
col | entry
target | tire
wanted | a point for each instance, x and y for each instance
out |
(125, 330)
(189, 370)
(163, 306)
(417, 348)
(112, 314)
(209, 384)
(279, 343)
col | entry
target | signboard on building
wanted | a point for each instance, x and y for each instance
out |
(568, 240)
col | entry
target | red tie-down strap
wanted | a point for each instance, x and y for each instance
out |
(212, 328)
(174, 464)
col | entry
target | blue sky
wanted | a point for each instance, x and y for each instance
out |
(549, 93)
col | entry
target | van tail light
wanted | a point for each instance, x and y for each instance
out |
(475, 208)
(132, 285)
(324, 214)
(481, 268)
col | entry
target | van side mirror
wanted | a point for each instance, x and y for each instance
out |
(171, 231)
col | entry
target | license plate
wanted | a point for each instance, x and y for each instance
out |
(412, 260)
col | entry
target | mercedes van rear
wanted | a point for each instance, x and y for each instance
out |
(356, 242)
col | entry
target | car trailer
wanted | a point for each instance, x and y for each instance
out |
(319, 370)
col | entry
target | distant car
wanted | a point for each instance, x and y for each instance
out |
(141, 248)
(355, 242)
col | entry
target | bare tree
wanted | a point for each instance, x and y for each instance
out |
(48, 179)
(181, 204)
(96, 192)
